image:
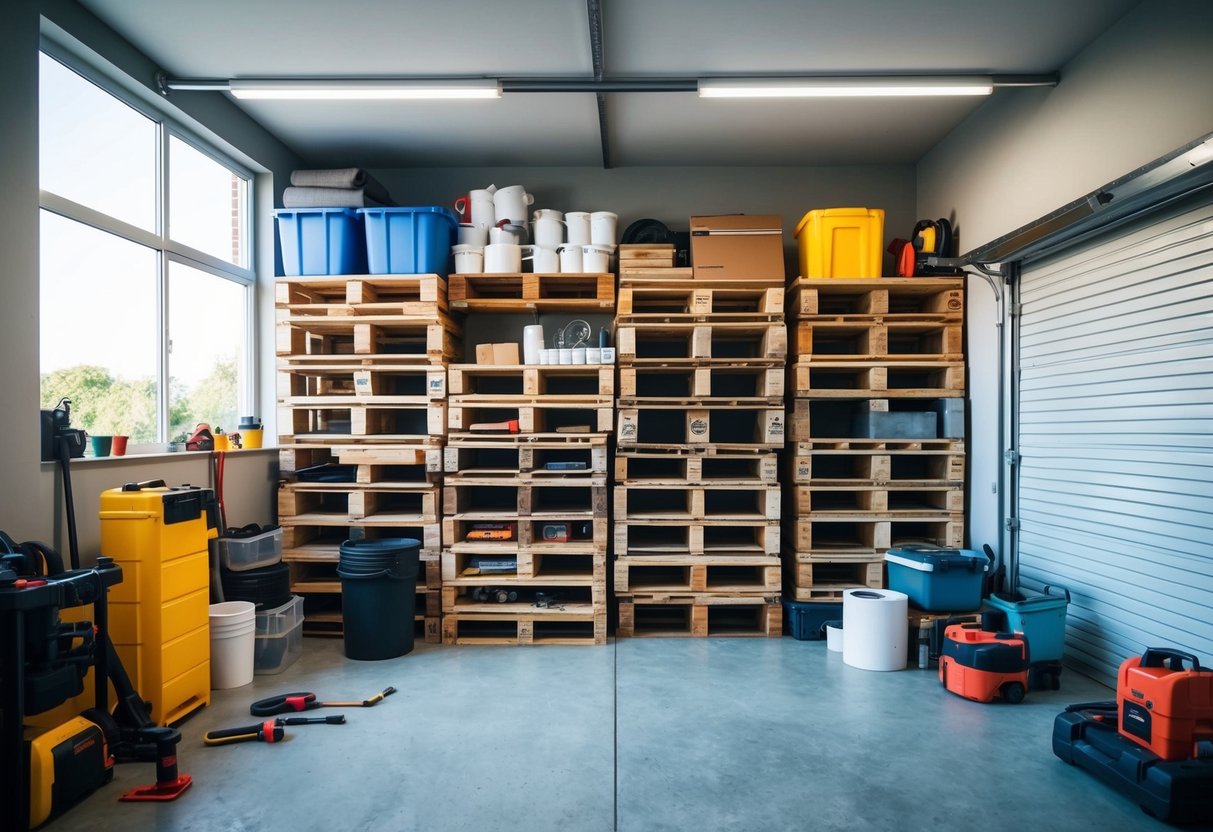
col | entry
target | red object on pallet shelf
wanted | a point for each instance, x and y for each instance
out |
(982, 665)
(1164, 707)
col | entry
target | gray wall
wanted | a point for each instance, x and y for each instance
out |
(1136, 93)
(29, 490)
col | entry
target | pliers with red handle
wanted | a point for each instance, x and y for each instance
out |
(294, 702)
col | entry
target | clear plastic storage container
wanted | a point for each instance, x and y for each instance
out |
(241, 554)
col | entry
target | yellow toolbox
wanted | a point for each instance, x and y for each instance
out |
(159, 614)
(841, 242)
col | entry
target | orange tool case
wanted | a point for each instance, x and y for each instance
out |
(1164, 707)
(982, 665)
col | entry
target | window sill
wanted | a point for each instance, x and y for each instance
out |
(157, 457)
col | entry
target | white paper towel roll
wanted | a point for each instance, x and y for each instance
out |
(876, 629)
(532, 343)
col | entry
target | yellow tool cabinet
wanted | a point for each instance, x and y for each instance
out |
(159, 613)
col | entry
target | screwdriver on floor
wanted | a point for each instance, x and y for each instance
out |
(270, 731)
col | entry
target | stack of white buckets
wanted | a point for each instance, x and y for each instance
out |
(493, 237)
(233, 644)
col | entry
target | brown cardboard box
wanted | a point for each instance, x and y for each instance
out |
(505, 354)
(484, 353)
(738, 247)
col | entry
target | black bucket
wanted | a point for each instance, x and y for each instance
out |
(378, 596)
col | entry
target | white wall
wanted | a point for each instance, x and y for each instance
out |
(1136, 93)
(30, 497)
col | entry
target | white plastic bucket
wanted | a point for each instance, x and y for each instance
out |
(834, 636)
(596, 259)
(602, 228)
(577, 228)
(503, 258)
(476, 236)
(468, 259)
(548, 233)
(233, 642)
(570, 259)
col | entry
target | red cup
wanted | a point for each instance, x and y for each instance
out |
(118, 446)
(463, 207)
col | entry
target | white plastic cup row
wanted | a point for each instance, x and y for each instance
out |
(507, 258)
(577, 355)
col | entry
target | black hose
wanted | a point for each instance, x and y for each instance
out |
(73, 547)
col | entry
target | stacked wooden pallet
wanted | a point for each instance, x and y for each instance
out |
(871, 462)
(361, 416)
(525, 526)
(697, 497)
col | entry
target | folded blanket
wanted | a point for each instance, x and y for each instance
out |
(328, 198)
(341, 178)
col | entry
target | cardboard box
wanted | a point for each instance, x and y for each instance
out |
(738, 247)
(506, 354)
(484, 353)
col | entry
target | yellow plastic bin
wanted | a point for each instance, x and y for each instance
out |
(841, 242)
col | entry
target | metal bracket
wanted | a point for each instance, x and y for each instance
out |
(1011, 456)
(162, 82)
(1011, 524)
(1015, 309)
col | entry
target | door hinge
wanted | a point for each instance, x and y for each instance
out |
(1014, 309)
(1011, 524)
(1011, 457)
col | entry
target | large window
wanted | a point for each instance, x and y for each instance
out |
(145, 275)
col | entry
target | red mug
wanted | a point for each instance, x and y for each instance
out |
(463, 207)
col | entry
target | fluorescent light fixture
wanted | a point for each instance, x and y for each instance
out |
(1201, 154)
(366, 89)
(845, 86)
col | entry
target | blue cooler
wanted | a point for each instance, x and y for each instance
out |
(1040, 617)
(938, 579)
(806, 619)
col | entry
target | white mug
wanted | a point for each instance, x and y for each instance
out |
(543, 260)
(547, 214)
(570, 259)
(545, 356)
(503, 258)
(593, 355)
(578, 355)
(577, 226)
(483, 212)
(473, 235)
(548, 233)
(468, 259)
(565, 355)
(596, 259)
(511, 203)
(532, 343)
(602, 228)
(507, 233)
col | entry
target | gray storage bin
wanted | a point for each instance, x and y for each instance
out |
(895, 425)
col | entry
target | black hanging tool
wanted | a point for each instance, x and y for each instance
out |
(288, 702)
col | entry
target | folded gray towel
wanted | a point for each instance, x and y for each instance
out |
(342, 178)
(328, 198)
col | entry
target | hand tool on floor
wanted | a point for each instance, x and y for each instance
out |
(288, 702)
(508, 426)
(269, 731)
(335, 719)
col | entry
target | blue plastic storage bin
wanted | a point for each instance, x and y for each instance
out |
(321, 241)
(1042, 618)
(938, 579)
(806, 619)
(409, 240)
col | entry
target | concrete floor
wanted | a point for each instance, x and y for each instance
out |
(643, 734)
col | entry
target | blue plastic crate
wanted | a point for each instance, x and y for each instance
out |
(806, 619)
(409, 240)
(938, 579)
(321, 241)
(1042, 618)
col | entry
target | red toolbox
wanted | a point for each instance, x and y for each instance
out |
(982, 665)
(1163, 706)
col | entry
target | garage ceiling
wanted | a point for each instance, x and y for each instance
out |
(228, 39)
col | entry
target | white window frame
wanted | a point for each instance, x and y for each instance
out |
(166, 249)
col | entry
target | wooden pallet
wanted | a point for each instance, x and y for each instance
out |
(703, 537)
(732, 426)
(512, 457)
(882, 499)
(685, 274)
(402, 504)
(852, 379)
(889, 298)
(699, 616)
(553, 414)
(701, 501)
(532, 292)
(844, 418)
(717, 574)
(320, 577)
(825, 580)
(674, 467)
(907, 462)
(400, 339)
(896, 341)
(501, 380)
(577, 596)
(324, 620)
(340, 424)
(859, 537)
(412, 294)
(488, 498)
(702, 343)
(669, 300)
(588, 534)
(338, 383)
(574, 627)
(372, 463)
(546, 567)
(688, 386)
(646, 256)
(319, 540)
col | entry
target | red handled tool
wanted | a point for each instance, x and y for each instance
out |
(268, 731)
(288, 702)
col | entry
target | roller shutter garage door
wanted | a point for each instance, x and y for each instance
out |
(1115, 429)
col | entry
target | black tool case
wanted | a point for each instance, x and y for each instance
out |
(1176, 791)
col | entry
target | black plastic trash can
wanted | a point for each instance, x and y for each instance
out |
(378, 596)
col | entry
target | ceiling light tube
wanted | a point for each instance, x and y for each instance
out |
(845, 86)
(365, 89)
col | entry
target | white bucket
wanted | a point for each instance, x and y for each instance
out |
(476, 236)
(577, 228)
(570, 259)
(503, 258)
(233, 642)
(596, 259)
(834, 636)
(548, 233)
(602, 228)
(468, 259)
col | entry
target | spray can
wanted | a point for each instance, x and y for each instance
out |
(924, 644)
